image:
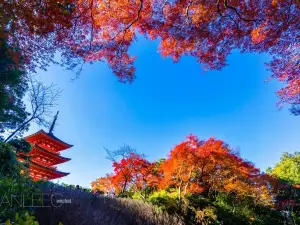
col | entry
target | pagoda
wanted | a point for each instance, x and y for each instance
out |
(45, 154)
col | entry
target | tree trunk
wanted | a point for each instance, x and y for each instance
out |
(123, 191)
(179, 194)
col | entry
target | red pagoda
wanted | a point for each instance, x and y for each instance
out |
(45, 154)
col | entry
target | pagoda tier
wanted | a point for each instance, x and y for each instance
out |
(44, 157)
(45, 153)
(47, 141)
(38, 172)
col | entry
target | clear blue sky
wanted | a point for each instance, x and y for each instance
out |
(165, 103)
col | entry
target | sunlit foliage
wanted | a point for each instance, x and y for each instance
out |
(93, 30)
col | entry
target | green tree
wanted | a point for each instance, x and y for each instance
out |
(288, 169)
(20, 145)
(9, 165)
(288, 196)
(15, 185)
(13, 86)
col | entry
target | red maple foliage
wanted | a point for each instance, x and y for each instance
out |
(192, 166)
(132, 171)
(104, 184)
(209, 30)
(210, 166)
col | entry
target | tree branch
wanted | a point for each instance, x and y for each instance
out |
(237, 13)
(187, 12)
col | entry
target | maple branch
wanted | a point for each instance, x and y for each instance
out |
(187, 12)
(163, 6)
(219, 11)
(227, 16)
(132, 22)
(237, 13)
(92, 30)
(136, 19)
(81, 14)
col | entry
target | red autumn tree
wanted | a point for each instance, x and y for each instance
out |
(210, 166)
(103, 184)
(133, 172)
(209, 30)
(92, 30)
(130, 168)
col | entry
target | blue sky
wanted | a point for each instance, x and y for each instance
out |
(166, 103)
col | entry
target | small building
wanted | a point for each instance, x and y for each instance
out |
(45, 154)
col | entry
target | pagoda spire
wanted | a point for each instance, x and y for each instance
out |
(53, 123)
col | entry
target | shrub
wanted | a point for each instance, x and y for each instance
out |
(9, 165)
(206, 216)
(15, 194)
(24, 219)
(15, 187)
(21, 145)
(233, 210)
(167, 202)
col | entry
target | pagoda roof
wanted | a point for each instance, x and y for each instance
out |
(54, 174)
(41, 133)
(59, 158)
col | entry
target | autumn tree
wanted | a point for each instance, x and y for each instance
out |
(94, 30)
(103, 184)
(211, 166)
(192, 167)
(131, 172)
(130, 169)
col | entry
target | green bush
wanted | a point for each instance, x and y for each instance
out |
(9, 165)
(21, 145)
(24, 219)
(236, 210)
(137, 196)
(16, 196)
(166, 201)
(16, 189)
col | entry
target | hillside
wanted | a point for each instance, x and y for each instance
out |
(88, 208)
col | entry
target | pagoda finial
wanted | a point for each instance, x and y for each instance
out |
(53, 123)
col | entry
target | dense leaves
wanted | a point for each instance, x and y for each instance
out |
(288, 185)
(20, 145)
(16, 188)
(288, 169)
(93, 30)
(210, 166)
(13, 85)
(204, 181)
(193, 166)
(9, 165)
(24, 219)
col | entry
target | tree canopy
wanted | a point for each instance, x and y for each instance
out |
(13, 86)
(288, 169)
(93, 30)
(204, 181)
(192, 166)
